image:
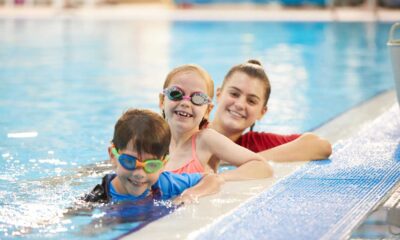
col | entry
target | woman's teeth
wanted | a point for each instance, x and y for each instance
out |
(234, 113)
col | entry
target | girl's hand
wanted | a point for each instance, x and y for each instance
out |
(210, 184)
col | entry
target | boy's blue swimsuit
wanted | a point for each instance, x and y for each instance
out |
(167, 186)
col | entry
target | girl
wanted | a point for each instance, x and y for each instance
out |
(186, 105)
(242, 100)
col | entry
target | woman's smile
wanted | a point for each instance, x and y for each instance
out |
(236, 114)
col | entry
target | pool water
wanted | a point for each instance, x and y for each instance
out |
(64, 83)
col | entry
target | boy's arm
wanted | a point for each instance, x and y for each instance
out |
(209, 184)
(305, 148)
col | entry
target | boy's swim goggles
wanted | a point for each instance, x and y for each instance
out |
(130, 162)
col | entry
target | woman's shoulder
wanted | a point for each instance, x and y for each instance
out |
(260, 141)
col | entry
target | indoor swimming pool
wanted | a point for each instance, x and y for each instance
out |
(64, 83)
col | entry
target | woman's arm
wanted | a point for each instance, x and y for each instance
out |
(209, 184)
(249, 164)
(305, 148)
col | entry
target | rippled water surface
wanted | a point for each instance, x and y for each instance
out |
(63, 84)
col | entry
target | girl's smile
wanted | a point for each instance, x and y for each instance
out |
(136, 182)
(183, 114)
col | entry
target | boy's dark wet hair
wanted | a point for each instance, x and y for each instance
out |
(147, 130)
(252, 68)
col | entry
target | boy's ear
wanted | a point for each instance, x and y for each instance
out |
(113, 160)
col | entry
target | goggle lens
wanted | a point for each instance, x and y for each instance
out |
(175, 95)
(128, 162)
(153, 165)
(199, 99)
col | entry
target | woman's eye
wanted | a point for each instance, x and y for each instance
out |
(234, 94)
(252, 102)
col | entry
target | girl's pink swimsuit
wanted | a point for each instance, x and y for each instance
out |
(192, 166)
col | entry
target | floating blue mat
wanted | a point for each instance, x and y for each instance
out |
(323, 199)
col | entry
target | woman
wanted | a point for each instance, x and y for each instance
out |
(242, 100)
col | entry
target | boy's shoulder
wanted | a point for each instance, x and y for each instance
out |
(101, 192)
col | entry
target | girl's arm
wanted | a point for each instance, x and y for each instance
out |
(305, 148)
(209, 184)
(250, 165)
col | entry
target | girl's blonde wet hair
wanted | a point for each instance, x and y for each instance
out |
(192, 68)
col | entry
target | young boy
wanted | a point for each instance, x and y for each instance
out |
(140, 145)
